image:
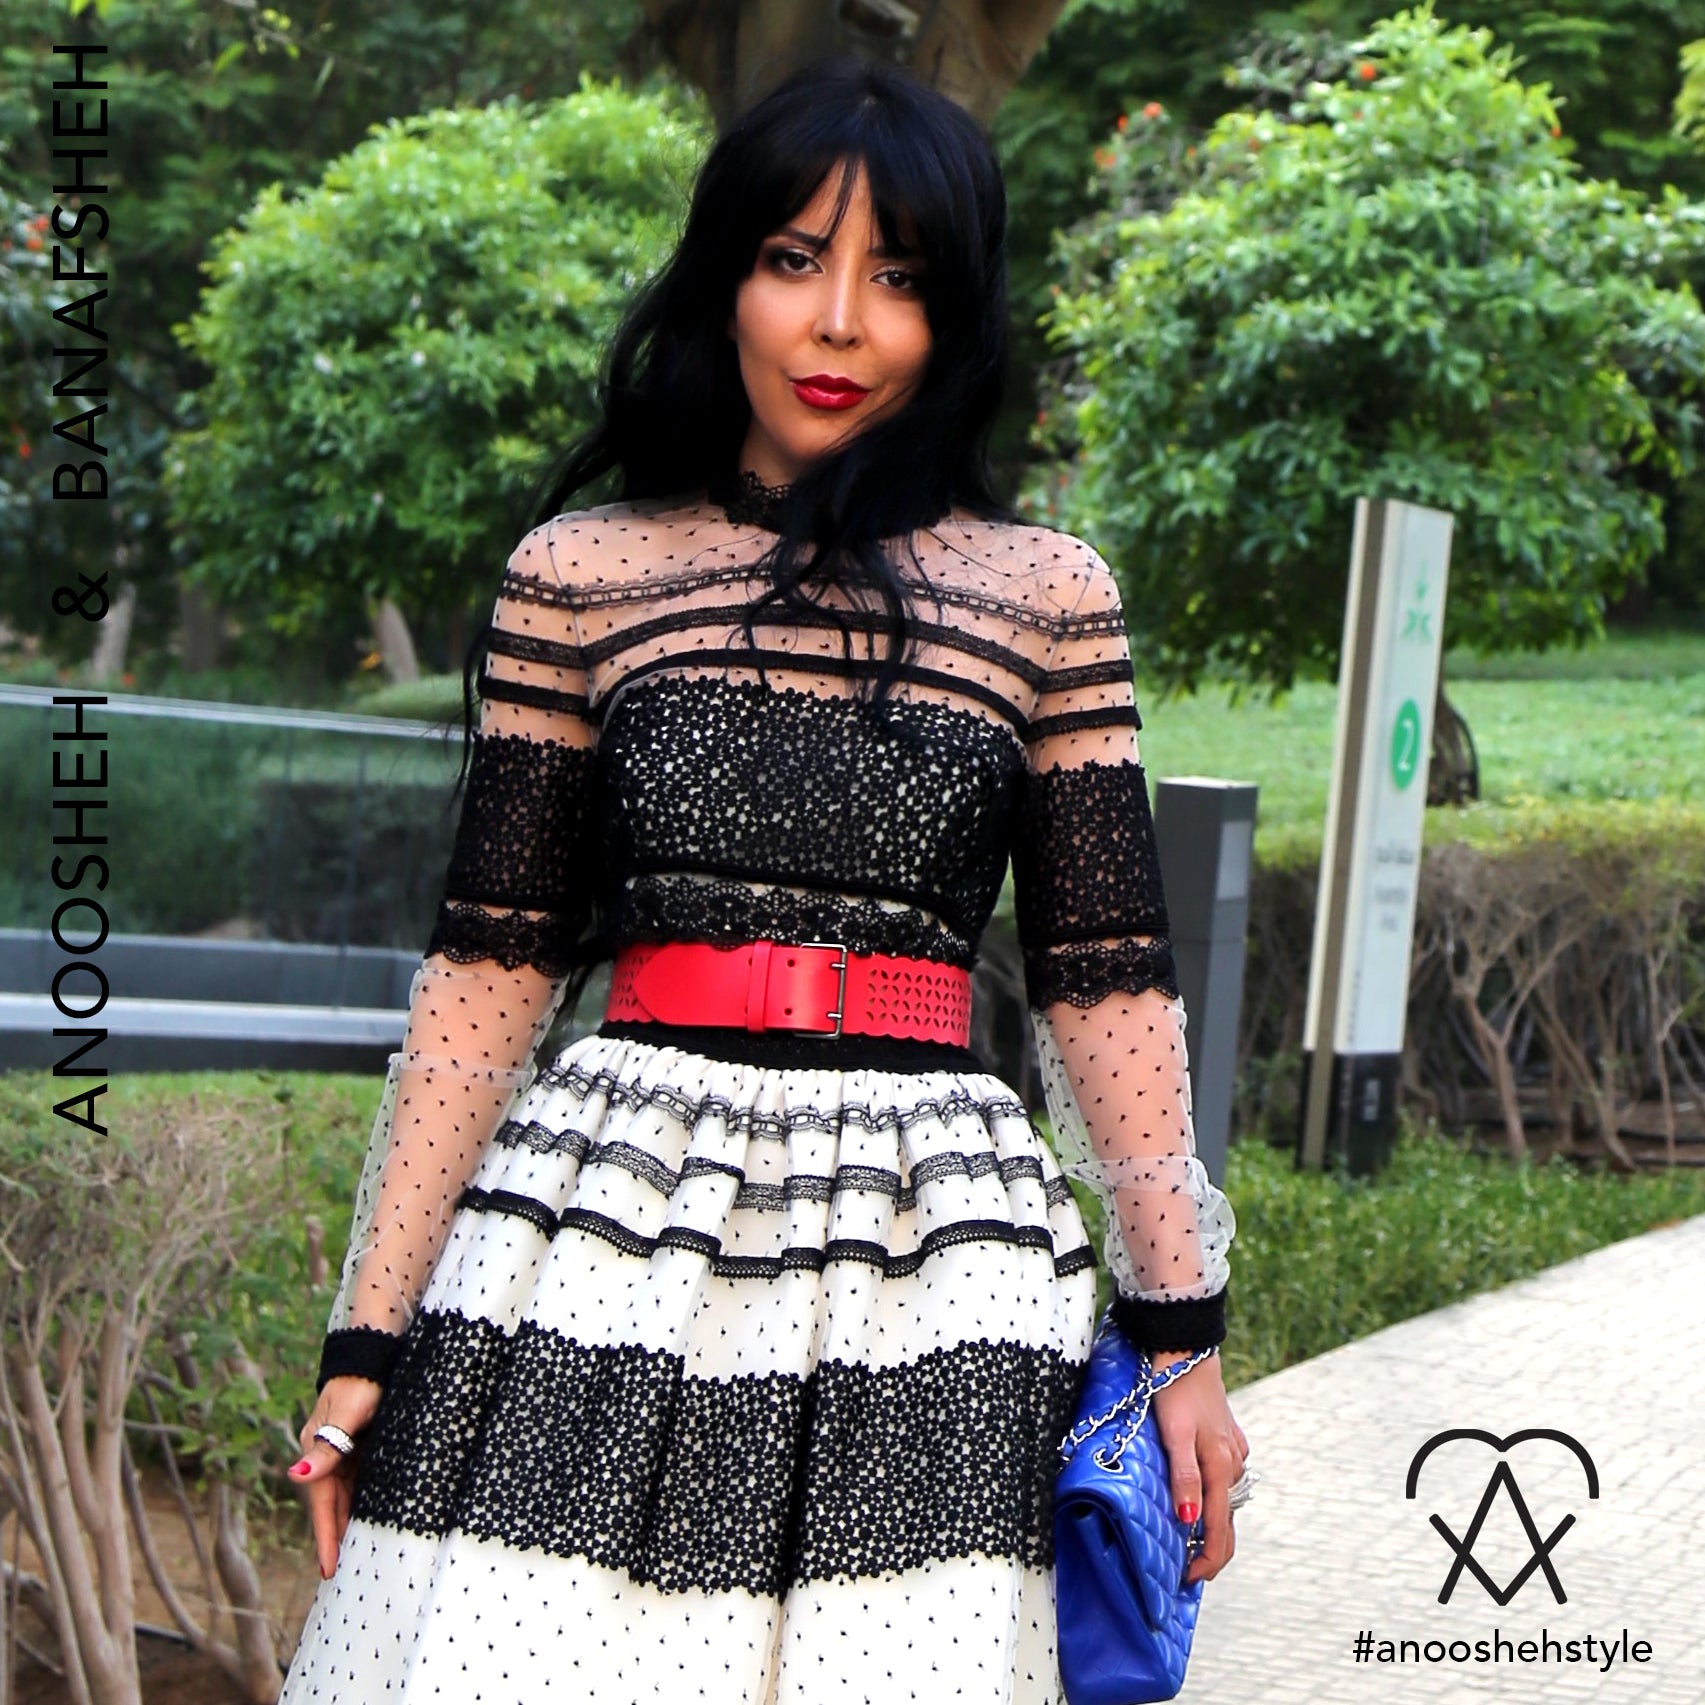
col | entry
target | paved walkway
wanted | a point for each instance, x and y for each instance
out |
(1609, 1348)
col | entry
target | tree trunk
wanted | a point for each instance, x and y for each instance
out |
(112, 638)
(1453, 775)
(395, 643)
(973, 51)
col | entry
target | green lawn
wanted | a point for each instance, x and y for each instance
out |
(1624, 720)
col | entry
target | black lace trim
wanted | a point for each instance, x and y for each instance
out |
(535, 648)
(748, 502)
(795, 1258)
(365, 1351)
(1113, 672)
(727, 618)
(470, 935)
(799, 1186)
(499, 689)
(633, 1095)
(522, 833)
(1077, 721)
(1084, 860)
(783, 1050)
(1088, 972)
(673, 908)
(1191, 1323)
(756, 1483)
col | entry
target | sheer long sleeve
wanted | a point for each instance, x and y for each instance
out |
(516, 899)
(1092, 924)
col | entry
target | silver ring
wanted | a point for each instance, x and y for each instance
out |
(337, 1438)
(1243, 1488)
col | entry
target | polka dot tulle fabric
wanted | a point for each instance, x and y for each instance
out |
(731, 1368)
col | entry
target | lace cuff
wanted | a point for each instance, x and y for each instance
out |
(1186, 1324)
(1085, 973)
(468, 934)
(364, 1351)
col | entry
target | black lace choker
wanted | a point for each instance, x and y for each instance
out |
(748, 502)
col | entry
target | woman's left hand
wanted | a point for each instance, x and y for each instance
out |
(1206, 1449)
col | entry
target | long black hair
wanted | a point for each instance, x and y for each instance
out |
(674, 411)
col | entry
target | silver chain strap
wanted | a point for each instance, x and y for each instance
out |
(1139, 1397)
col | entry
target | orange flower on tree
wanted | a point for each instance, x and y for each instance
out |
(1367, 71)
(1153, 110)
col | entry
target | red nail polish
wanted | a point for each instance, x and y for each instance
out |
(299, 1469)
(1187, 1512)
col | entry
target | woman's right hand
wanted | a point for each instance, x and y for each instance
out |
(349, 1402)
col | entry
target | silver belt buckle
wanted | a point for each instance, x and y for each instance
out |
(839, 1014)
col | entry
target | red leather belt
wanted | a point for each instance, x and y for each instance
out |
(814, 988)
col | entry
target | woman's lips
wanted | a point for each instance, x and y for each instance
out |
(821, 396)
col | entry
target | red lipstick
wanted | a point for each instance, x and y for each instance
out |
(829, 390)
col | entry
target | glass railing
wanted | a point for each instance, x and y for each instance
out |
(236, 821)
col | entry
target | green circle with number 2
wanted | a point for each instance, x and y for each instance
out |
(1406, 743)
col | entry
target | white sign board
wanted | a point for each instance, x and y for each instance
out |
(1371, 858)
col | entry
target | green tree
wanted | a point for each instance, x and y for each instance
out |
(1611, 66)
(208, 106)
(1402, 287)
(395, 351)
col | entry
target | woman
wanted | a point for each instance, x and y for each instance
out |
(728, 1363)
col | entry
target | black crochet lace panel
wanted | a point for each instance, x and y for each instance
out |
(1084, 860)
(908, 801)
(470, 935)
(1085, 973)
(521, 839)
(664, 908)
(759, 1483)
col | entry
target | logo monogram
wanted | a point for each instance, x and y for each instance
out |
(1502, 1476)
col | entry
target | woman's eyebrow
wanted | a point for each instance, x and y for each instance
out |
(812, 240)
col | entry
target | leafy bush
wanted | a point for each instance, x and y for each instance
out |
(1404, 288)
(161, 1296)
(395, 351)
(433, 698)
(1321, 1260)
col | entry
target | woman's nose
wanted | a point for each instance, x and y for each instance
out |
(838, 310)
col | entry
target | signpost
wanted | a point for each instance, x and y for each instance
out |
(1205, 829)
(1370, 862)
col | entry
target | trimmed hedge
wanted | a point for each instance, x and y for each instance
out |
(1558, 979)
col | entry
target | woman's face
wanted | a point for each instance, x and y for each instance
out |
(843, 312)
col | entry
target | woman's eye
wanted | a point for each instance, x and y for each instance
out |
(783, 260)
(902, 279)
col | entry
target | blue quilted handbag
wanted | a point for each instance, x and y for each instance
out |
(1125, 1617)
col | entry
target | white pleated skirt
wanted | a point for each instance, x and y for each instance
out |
(733, 1383)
